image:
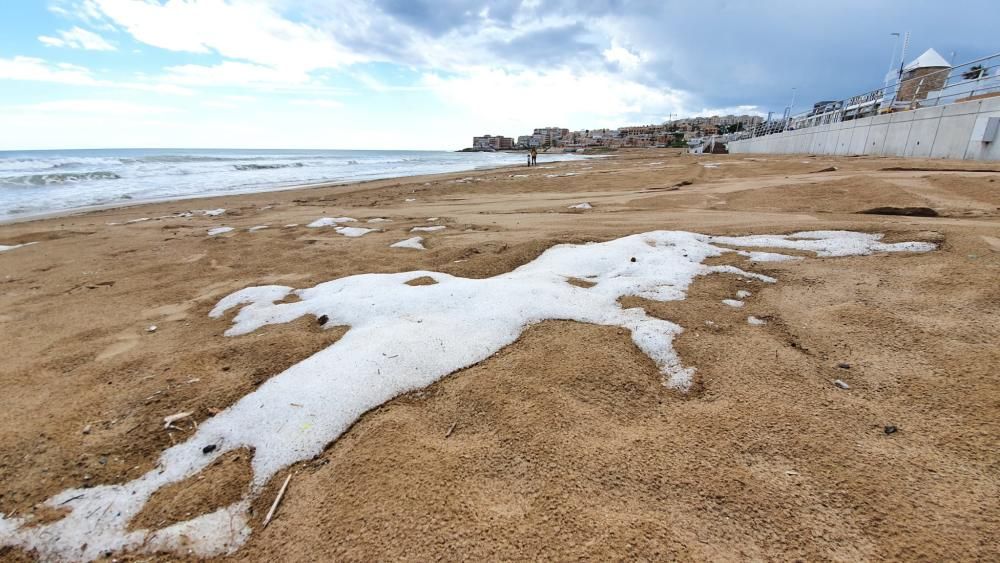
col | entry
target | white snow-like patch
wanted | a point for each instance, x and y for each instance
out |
(584, 205)
(354, 231)
(433, 218)
(743, 294)
(416, 243)
(828, 243)
(380, 220)
(428, 229)
(409, 199)
(400, 338)
(257, 228)
(732, 303)
(5, 248)
(139, 220)
(218, 231)
(211, 212)
(752, 320)
(766, 256)
(290, 225)
(330, 221)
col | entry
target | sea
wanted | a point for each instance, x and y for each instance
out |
(34, 183)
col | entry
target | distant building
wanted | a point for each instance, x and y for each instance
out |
(927, 72)
(492, 142)
(550, 135)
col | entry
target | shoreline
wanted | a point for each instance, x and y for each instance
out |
(81, 211)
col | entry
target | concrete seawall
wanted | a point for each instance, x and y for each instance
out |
(951, 131)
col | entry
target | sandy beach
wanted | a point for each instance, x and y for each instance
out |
(565, 444)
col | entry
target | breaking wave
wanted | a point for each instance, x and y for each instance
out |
(267, 166)
(59, 178)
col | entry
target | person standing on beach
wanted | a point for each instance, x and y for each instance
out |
(534, 157)
(529, 158)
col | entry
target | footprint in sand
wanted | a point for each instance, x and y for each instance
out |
(126, 342)
(166, 313)
(193, 258)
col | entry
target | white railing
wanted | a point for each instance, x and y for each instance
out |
(964, 82)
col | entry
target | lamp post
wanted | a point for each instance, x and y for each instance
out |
(892, 60)
(791, 105)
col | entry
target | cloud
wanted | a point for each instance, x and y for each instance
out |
(78, 38)
(91, 107)
(31, 69)
(244, 31)
(318, 103)
(441, 67)
(39, 70)
(509, 101)
(624, 58)
(232, 73)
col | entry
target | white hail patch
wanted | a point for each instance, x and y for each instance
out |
(401, 338)
(5, 248)
(354, 231)
(218, 231)
(330, 221)
(584, 205)
(752, 320)
(732, 303)
(416, 243)
(257, 228)
(211, 212)
(428, 229)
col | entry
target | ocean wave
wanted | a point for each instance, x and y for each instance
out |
(267, 166)
(174, 158)
(59, 178)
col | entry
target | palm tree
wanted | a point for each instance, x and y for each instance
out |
(974, 73)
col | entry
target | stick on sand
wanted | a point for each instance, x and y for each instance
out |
(277, 500)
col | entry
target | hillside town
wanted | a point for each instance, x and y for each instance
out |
(669, 133)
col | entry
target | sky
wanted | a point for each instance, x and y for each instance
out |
(430, 74)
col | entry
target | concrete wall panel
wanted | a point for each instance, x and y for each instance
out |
(859, 139)
(952, 138)
(921, 138)
(895, 138)
(936, 132)
(876, 139)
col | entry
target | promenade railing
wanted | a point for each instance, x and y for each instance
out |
(909, 90)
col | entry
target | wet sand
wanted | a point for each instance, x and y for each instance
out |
(564, 444)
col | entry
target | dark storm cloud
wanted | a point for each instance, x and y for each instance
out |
(730, 53)
(437, 17)
(548, 47)
(724, 53)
